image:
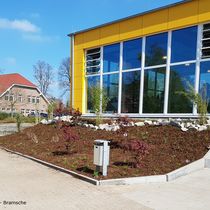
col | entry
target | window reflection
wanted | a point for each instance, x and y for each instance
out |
(111, 58)
(156, 49)
(154, 88)
(110, 87)
(91, 83)
(181, 77)
(132, 54)
(205, 82)
(130, 92)
(184, 44)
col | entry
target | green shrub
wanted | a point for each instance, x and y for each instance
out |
(18, 121)
(4, 115)
(100, 101)
(199, 99)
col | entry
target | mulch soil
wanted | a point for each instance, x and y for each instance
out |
(169, 148)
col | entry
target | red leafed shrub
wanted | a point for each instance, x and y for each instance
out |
(138, 149)
(70, 137)
(75, 112)
(61, 110)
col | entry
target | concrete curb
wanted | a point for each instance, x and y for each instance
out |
(185, 170)
(134, 180)
(192, 167)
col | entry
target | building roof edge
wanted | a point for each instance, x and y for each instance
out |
(129, 17)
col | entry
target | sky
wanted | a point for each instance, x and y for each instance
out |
(32, 30)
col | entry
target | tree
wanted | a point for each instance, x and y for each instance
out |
(43, 74)
(99, 101)
(199, 99)
(64, 76)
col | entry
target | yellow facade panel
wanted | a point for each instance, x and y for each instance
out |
(78, 83)
(155, 22)
(78, 41)
(91, 38)
(131, 28)
(204, 11)
(79, 56)
(183, 15)
(109, 34)
(79, 105)
(79, 70)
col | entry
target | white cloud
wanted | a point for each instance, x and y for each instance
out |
(20, 25)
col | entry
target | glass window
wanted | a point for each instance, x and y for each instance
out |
(205, 82)
(20, 98)
(206, 41)
(37, 100)
(154, 89)
(184, 44)
(11, 98)
(92, 82)
(181, 78)
(132, 54)
(111, 58)
(110, 87)
(6, 98)
(33, 99)
(93, 57)
(156, 49)
(130, 92)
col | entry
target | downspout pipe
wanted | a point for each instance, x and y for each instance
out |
(72, 72)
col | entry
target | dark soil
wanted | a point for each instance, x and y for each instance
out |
(169, 148)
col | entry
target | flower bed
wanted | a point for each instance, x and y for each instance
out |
(135, 151)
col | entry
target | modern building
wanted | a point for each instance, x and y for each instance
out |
(144, 63)
(17, 94)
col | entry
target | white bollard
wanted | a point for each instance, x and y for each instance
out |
(101, 155)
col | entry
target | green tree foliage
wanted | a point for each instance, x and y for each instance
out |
(199, 99)
(99, 101)
(50, 110)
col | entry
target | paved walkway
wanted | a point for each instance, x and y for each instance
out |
(43, 188)
(9, 128)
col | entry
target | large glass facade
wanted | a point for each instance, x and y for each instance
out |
(111, 58)
(92, 82)
(182, 78)
(132, 54)
(156, 49)
(184, 44)
(169, 70)
(154, 89)
(130, 92)
(204, 87)
(110, 88)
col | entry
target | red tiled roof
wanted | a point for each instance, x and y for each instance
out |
(7, 80)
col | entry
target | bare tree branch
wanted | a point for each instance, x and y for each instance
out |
(64, 75)
(43, 74)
